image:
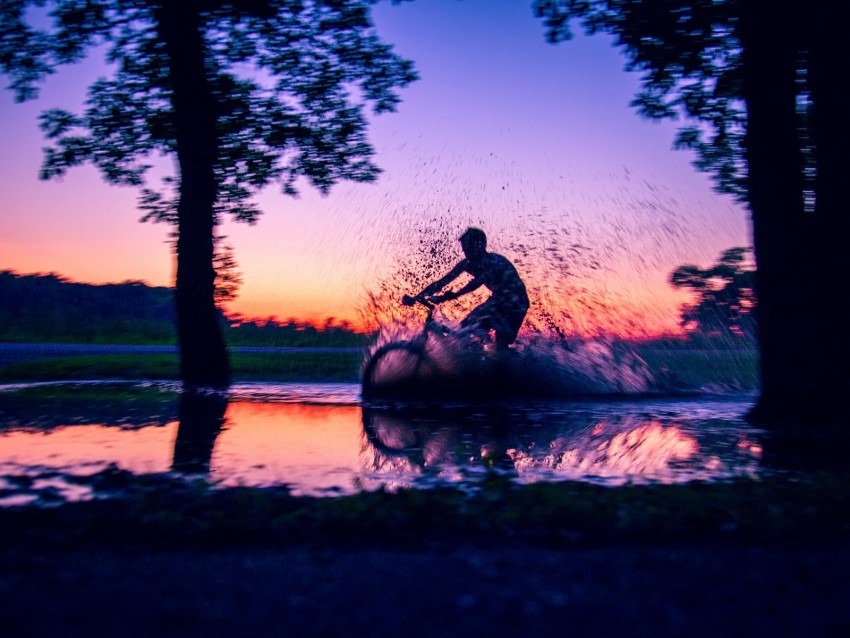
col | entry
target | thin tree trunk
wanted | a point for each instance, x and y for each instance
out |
(203, 355)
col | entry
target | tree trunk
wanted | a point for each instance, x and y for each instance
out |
(782, 231)
(829, 56)
(203, 355)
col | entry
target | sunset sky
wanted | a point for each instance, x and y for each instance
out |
(535, 143)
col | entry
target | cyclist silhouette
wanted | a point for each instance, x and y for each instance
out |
(504, 310)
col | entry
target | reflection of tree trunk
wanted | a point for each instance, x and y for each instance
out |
(203, 360)
(806, 451)
(201, 419)
(782, 232)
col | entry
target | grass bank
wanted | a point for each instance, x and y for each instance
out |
(738, 369)
(161, 511)
(721, 369)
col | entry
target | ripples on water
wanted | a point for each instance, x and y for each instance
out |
(319, 439)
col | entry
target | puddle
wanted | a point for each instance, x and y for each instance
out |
(319, 439)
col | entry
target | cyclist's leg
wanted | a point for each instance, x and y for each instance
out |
(478, 316)
(477, 324)
(482, 318)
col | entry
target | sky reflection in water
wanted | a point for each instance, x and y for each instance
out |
(318, 439)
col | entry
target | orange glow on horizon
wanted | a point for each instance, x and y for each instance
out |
(614, 308)
(630, 309)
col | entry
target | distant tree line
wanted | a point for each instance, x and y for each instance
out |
(291, 332)
(50, 308)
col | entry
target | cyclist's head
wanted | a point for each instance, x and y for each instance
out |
(473, 242)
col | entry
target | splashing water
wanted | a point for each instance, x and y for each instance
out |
(595, 253)
(452, 366)
(548, 359)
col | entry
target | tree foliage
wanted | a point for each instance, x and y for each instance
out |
(228, 279)
(242, 93)
(690, 54)
(762, 87)
(291, 80)
(49, 307)
(724, 296)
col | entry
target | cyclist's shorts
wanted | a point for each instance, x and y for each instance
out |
(505, 322)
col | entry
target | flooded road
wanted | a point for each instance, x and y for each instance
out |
(320, 439)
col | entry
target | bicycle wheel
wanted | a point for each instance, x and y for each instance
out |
(395, 369)
(392, 437)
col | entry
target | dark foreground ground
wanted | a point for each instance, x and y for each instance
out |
(765, 558)
(471, 591)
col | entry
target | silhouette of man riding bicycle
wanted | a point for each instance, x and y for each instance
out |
(419, 366)
(504, 310)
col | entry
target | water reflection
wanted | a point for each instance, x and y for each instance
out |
(41, 406)
(808, 449)
(313, 448)
(201, 420)
(320, 440)
(553, 443)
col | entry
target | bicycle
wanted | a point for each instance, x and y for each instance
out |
(440, 364)
(404, 368)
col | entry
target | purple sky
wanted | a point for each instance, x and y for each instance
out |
(503, 131)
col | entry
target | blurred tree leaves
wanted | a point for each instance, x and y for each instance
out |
(763, 89)
(724, 296)
(242, 93)
(291, 81)
(690, 54)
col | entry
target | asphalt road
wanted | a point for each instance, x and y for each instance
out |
(15, 352)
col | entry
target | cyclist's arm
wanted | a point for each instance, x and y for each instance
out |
(472, 285)
(442, 282)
